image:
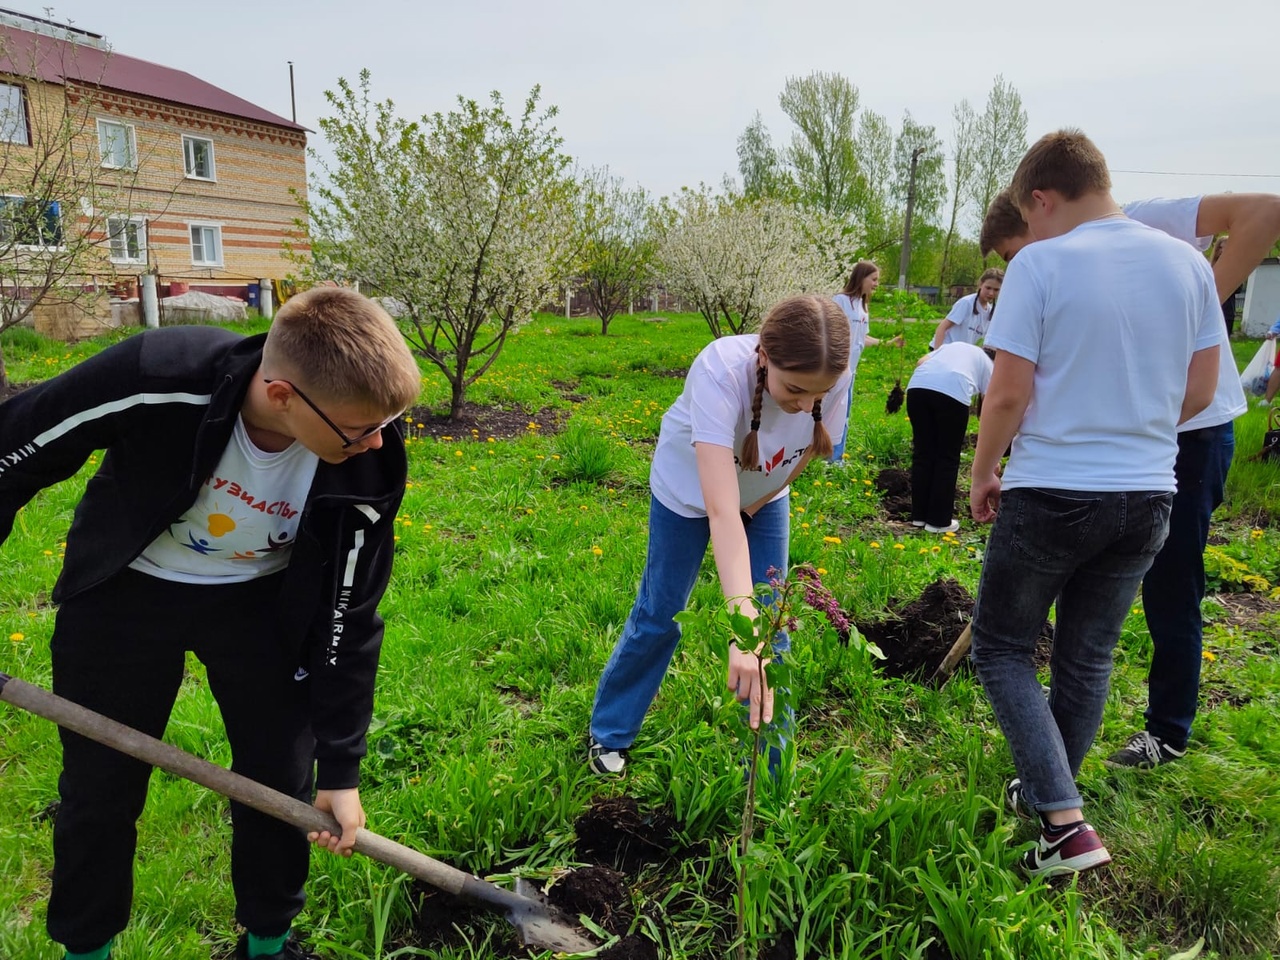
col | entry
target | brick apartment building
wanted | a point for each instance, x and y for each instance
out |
(209, 175)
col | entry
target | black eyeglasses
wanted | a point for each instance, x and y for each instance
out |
(346, 441)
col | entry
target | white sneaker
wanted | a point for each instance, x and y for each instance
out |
(606, 761)
(952, 527)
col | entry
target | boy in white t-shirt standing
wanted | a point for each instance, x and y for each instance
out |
(1175, 585)
(1084, 503)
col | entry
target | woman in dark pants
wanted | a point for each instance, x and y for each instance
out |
(938, 398)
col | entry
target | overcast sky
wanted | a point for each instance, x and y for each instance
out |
(659, 90)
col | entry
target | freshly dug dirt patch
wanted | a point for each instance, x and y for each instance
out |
(895, 493)
(497, 422)
(917, 635)
(436, 914)
(615, 832)
(599, 892)
(633, 947)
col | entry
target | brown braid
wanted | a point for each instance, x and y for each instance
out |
(821, 446)
(750, 457)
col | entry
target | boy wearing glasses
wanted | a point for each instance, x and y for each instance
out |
(247, 521)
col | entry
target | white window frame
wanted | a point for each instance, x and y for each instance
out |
(141, 224)
(14, 128)
(187, 166)
(131, 162)
(205, 225)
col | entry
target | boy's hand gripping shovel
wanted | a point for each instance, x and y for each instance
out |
(538, 923)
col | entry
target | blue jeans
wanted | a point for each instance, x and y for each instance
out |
(1087, 552)
(640, 659)
(837, 451)
(1174, 586)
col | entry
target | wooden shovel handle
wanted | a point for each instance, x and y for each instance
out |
(302, 815)
(955, 654)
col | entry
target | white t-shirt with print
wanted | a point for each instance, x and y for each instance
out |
(970, 327)
(1110, 313)
(244, 520)
(715, 407)
(958, 370)
(1177, 217)
(859, 324)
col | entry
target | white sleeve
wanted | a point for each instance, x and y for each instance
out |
(960, 310)
(1176, 217)
(1017, 327)
(713, 402)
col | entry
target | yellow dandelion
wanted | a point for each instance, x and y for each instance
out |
(935, 549)
(17, 637)
(867, 482)
(874, 545)
(822, 571)
(899, 546)
(597, 551)
(528, 509)
(804, 526)
(924, 550)
(457, 453)
(1208, 654)
(48, 553)
(799, 509)
(835, 540)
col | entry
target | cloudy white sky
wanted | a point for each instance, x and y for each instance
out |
(659, 90)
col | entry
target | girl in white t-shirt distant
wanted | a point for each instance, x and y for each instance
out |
(938, 398)
(854, 301)
(970, 316)
(749, 419)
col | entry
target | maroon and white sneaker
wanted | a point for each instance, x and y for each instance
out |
(1075, 851)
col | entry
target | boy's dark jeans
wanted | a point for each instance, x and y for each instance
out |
(119, 649)
(1088, 552)
(938, 424)
(1174, 586)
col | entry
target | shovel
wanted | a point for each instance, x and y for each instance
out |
(538, 923)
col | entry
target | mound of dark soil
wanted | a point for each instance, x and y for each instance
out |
(615, 832)
(895, 493)
(599, 892)
(479, 422)
(436, 914)
(633, 947)
(917, 636)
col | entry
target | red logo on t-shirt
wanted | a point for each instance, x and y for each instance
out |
(774, 460)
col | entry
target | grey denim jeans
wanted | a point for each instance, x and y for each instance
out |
(1087, 552)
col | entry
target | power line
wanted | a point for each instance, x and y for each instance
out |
(1174, 173)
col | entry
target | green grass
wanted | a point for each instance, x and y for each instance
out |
(517, 565)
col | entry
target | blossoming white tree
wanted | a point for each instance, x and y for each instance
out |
(732, 258)
(465, 217)
(617, 246)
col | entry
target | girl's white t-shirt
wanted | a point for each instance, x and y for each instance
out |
(958, 370)
(1110, 313)
(970, 327)
(1177, 217)
(859, 324)
(715, 407)
(244, 520)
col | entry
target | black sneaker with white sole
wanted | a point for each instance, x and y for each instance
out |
(1017, 803)
(1143, 752)
(606, 761)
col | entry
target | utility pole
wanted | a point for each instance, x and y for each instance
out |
(293, 100)
(905, 260)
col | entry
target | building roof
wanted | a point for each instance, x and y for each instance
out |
(54, 59)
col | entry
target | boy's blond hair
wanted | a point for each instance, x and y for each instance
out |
(344, 347)
(1065, 161)
(1002, 222)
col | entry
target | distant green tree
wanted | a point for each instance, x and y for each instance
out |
(617, 244)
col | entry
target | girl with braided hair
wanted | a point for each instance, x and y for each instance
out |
(750, 417)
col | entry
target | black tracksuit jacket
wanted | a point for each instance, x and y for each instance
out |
(163, 405)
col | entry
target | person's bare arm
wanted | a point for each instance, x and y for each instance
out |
(718, 476)
(1252, 221)
(1202, 381)
(1003, 406)
(943, 326)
